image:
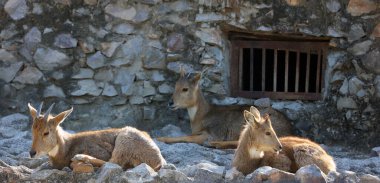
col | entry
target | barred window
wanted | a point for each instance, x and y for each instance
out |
(278, 69)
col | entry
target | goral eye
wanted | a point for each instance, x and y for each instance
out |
(267, 133)
(46, 133)
(185, 89)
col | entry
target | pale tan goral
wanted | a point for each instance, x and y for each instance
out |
(286, 153)
(126, 146)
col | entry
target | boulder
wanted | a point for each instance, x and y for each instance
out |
(121, 11)
(108, 48)
(123, 28)
(269, 174)
(8, 70)
(310, 174)
(169, 175)
(109, 90)
(360, 7)
(65, 41)
(30, 75)
(16, 9)
(49, 59)
(205, 172)
(175, 42)
(370, 61)
(262, 102)
(54, 91)
(83, 73)
(360, 48)
(367, 178)
(346, 103)
(87, 86)
(96, 60)
(141, 173)
(50, 175)
(333, 6)
(109, 172)
(13, 173)
(210, 36)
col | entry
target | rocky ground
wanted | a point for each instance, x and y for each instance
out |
(187, 163)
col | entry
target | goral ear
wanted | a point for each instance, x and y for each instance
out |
(181, 71)
(250, 118)
(256, 113)
(196, 78)
(32, 111)
(62, 116)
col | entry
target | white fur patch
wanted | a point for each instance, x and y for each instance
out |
(192, 111)
(54, 151)
(254, 153)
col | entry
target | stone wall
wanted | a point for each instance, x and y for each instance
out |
(116, 61)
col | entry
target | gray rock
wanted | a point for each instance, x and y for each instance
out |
(356, 32)
(154, 59)
(8, 70)
(13, 124)
(108, 48)
(91, 2)
(109, 172)
(175, 42)
(165, 89)
(96, 60)
(208, 61)
(375, 152)
(169, 131)
(136, 100)
(14, 173)
(335, 31)
(157, 76)
(50, 175)
(346, 103)
(9, 31)
(104, 75)
(32, 38)
(269, 174)
(65, 41)
(149, 113)
(124, 76)
(83, 74)
(141, 173)
(54, 91)
(370, 61)
(310, 174)
(124, 28)
(333, 6)
(180, 6)
(29, 75)
(49, 59)
(233, 175)
(121, 62)
(209, 17)
(109, 90)
(347, 176)
(16, 9)
(367, 178)
(206, 172)
(354, 85)
(377, 86)
(344, 88)
(211, 36)
(262, 102)
(148, 89)
(168, 175)
(337, 77)
(7, 56)
(37, 9)
(151, 2)
(33, 163)
(142, 13)
(175, 67)
(131, 50)
(217, 89)
(87, 86)
(120, 12)
(360, 48)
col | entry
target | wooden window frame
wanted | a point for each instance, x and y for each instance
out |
(287, 45)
